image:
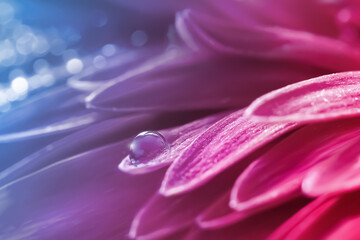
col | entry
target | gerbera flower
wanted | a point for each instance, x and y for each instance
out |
(284, 167)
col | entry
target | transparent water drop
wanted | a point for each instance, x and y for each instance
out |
(147, 146)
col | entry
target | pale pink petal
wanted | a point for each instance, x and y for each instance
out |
(224, 143)
(277, 175)
(318, 99)
(85, 197)
(179, 138)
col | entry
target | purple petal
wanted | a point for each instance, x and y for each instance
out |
(257, 227)
(28, 114)
(163, 216)
(220, 146)
(318, 99)
(82, 197)
(94, 136)
(146, 88)
(59, 111)
(92, 78)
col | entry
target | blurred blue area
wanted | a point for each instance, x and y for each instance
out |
(42, 42)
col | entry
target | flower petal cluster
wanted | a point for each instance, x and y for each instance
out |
(259, 102)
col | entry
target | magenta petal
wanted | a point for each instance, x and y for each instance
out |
(257, 227)
(219, 214)
(179, 138)
(325, 218)
(246, 29)
(220, 146)
(339, 174)
(85, 197)
(163, 216)
(303, 219)
(318, 99)
(276, 176)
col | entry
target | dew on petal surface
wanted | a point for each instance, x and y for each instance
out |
(146, 146)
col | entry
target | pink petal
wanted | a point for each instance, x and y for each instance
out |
(325, 218)
(85, 197)
(318, 99)
(246, 29)
(303, 218)
(259, 226)
(164, 216)
(339, 174)
(179, 138)
(219, 214)
(276, 176)
(220, 146)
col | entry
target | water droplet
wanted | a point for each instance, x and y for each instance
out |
(146, 146)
